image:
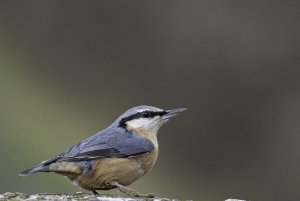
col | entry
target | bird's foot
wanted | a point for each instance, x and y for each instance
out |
(148, 195)
(130, 192)
(95, 193)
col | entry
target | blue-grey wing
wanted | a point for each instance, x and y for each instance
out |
(111, 142)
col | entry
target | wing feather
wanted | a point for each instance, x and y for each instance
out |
(112, 143)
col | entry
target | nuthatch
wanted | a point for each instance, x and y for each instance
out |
(114, 157)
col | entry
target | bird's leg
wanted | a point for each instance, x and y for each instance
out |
(95, 192)
(128, 191)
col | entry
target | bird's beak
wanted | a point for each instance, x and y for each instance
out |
(172, 113)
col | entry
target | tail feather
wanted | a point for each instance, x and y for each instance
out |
(43, 167)
(38, 168)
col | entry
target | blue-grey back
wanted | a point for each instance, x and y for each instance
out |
(111, 142)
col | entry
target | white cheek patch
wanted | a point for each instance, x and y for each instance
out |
(150, 125)
(138, 123)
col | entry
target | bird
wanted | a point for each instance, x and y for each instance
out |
(114, 157)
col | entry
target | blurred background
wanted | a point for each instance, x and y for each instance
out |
(69, 68)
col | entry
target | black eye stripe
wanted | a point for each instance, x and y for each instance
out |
(144, 114)
(151, 114)
(162, 113)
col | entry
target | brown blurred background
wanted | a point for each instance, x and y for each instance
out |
(69, 68)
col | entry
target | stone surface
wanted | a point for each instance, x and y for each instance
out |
(79, 196)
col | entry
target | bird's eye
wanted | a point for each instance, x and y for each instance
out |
(145, 114)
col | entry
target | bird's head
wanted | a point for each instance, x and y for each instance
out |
(146, 118)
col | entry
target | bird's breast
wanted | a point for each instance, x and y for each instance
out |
(148, 160)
